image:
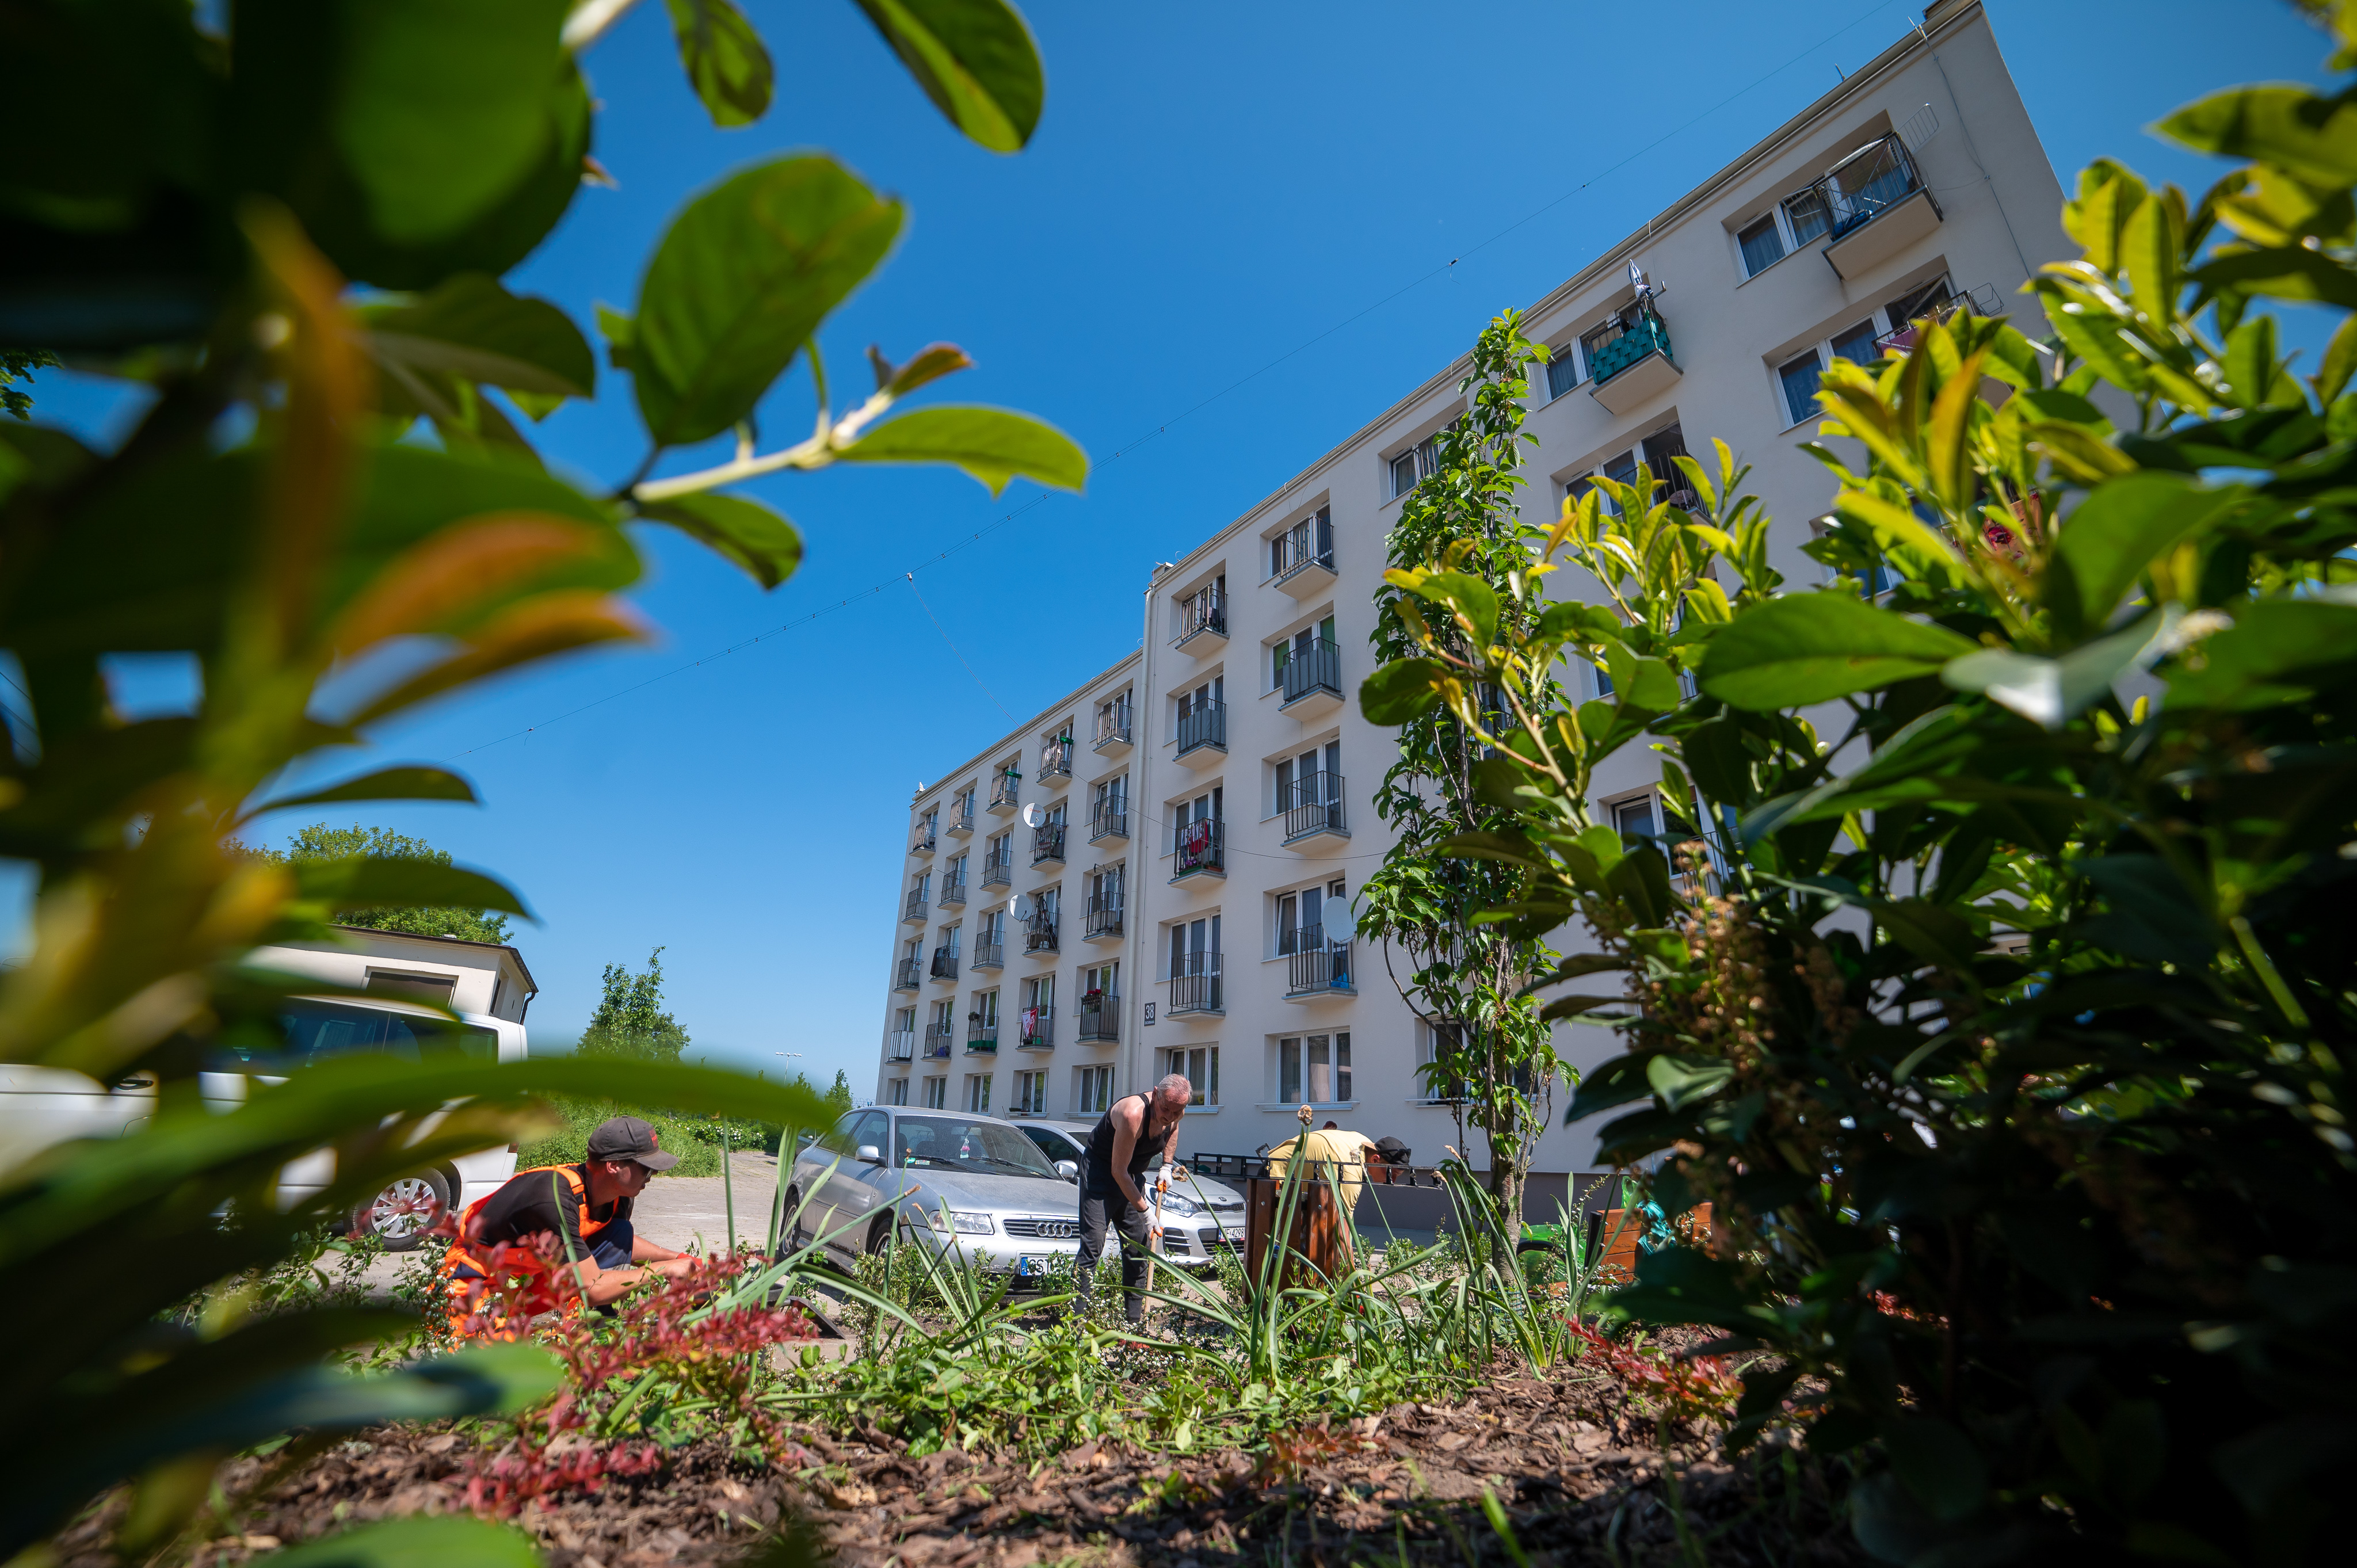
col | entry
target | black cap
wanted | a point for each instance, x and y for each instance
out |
(1393, 1150)
(629, 1138)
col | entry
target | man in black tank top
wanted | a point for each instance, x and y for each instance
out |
(1137, 1133)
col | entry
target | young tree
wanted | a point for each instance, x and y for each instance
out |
(630, 1021)
(838, 1097)
(1494, 1055)
(321, 843)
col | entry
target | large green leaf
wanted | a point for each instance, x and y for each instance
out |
(1809, 648)
(2276, 651)
(2290, 127)
(726, 62)
(471, 327)
(2290, 272)
(384, 784)
(444, 106)
(2049, 691)
(2117, 531)
(742, 278)
(975, 60)
(1467, 597)
(386, 882)
(991, 444)
(436, 1540)
(746, 532)
(1400, 690)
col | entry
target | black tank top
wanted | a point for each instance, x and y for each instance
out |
(1141, 1155)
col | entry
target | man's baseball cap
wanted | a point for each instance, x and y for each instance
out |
(1393, 1150)
(629, 1138)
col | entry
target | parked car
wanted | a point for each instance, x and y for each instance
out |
(1199, 1217)
(41, 1107)
(951, 1181)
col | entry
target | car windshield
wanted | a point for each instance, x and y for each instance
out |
(309, 1032)
(957, 1142)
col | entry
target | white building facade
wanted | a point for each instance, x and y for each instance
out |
(1204, 800)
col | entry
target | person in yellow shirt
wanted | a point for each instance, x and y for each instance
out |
(1347, 1152)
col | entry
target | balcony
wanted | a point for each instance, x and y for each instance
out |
(945, 963)
(907, 974)
(1047, 844)
(1203, 616)
(952, 892)
(913, 909)
(937, 1043)
(998, 870)
(1313, 680)
(1056, 760)
(1630, 359)
(962, 823)
(1109, 820)
(1196, 987)
(981, 1037)
(1313, 807)
(899, 1045)
(1100, 1018)
(1203, 736)
(989, 955)
(924, 841)
(1039, 932)
(1113, 731)
(1318, 969)
(1304, 557)
(1103, 920)
(1002, 793)
(1036, 1029)
(1199, 849)
(1875, 206)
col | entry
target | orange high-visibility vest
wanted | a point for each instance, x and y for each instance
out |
(462, 1250)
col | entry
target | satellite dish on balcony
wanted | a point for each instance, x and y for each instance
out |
(1034, 814)
(1341, 924)
(1023, 908)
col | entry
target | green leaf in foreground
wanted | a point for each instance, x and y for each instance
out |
(376, 881)
(975, 60)
(992, 444)
(726, 62)
(1811, 647)
(1400, 690)
(471, 327)
(444, 1540)
(384, 784)
(746, 532)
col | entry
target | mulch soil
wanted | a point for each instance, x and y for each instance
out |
(1577, 1475)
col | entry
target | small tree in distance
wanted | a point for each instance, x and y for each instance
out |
(630, 1021)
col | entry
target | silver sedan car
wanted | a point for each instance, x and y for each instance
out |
(1201, 1218)
(954, 1182)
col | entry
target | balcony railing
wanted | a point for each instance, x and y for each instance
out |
(1105, 916)
(1866, 184)
(1203, 726)
(1109, 820)
(1198, 613)
(998, 870)
(1310, 543)
(899, 1045)
(1056, 759)
(1112, 728)
(1318, 668)
(907, 974)
(989, 955)
(961, 822)
(952, 892)
(1039, 933)
(945, 965)
(924, 841)
(1196, 987)
(1313, 804)
(1615, 346)
(1002, 791)
(1036, 1026)
(1100, 1017)
(1317, 967)
(1199, 847)
(913, 906)
(1047, 843)
(937, 1041)
(982, 1037)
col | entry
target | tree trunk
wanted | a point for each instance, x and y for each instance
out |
(1506, 1183)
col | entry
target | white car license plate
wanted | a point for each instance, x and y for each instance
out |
(1029, 1265)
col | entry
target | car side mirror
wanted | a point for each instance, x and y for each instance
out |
(869, 1154)
(1069, 1170)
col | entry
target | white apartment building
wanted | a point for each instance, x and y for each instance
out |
(1202, 800)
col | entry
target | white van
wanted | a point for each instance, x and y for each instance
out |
(485, 984)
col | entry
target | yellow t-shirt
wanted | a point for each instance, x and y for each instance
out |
(1346, 1150)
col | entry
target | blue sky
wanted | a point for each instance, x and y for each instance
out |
(1227, 248)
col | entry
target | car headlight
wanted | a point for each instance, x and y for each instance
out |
(968, 1224)
(1174, 1204)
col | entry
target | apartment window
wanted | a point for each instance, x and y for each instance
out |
(1092, 1092)
(977, 1094)
(1762, 245)
(1563, 368)
(1929, 299)
(1030, 1095)
(1805, 215)
(1856, 344)
(1303, 644)
(1431, 1042)
(1039, 1018)
(1301, 917)
(1414, 463)
(1634, 820)
(1798, 378)
(937, 1093)
(897, 1092)
(1315, 1067)
(1199, 1066)
(1113, 719)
